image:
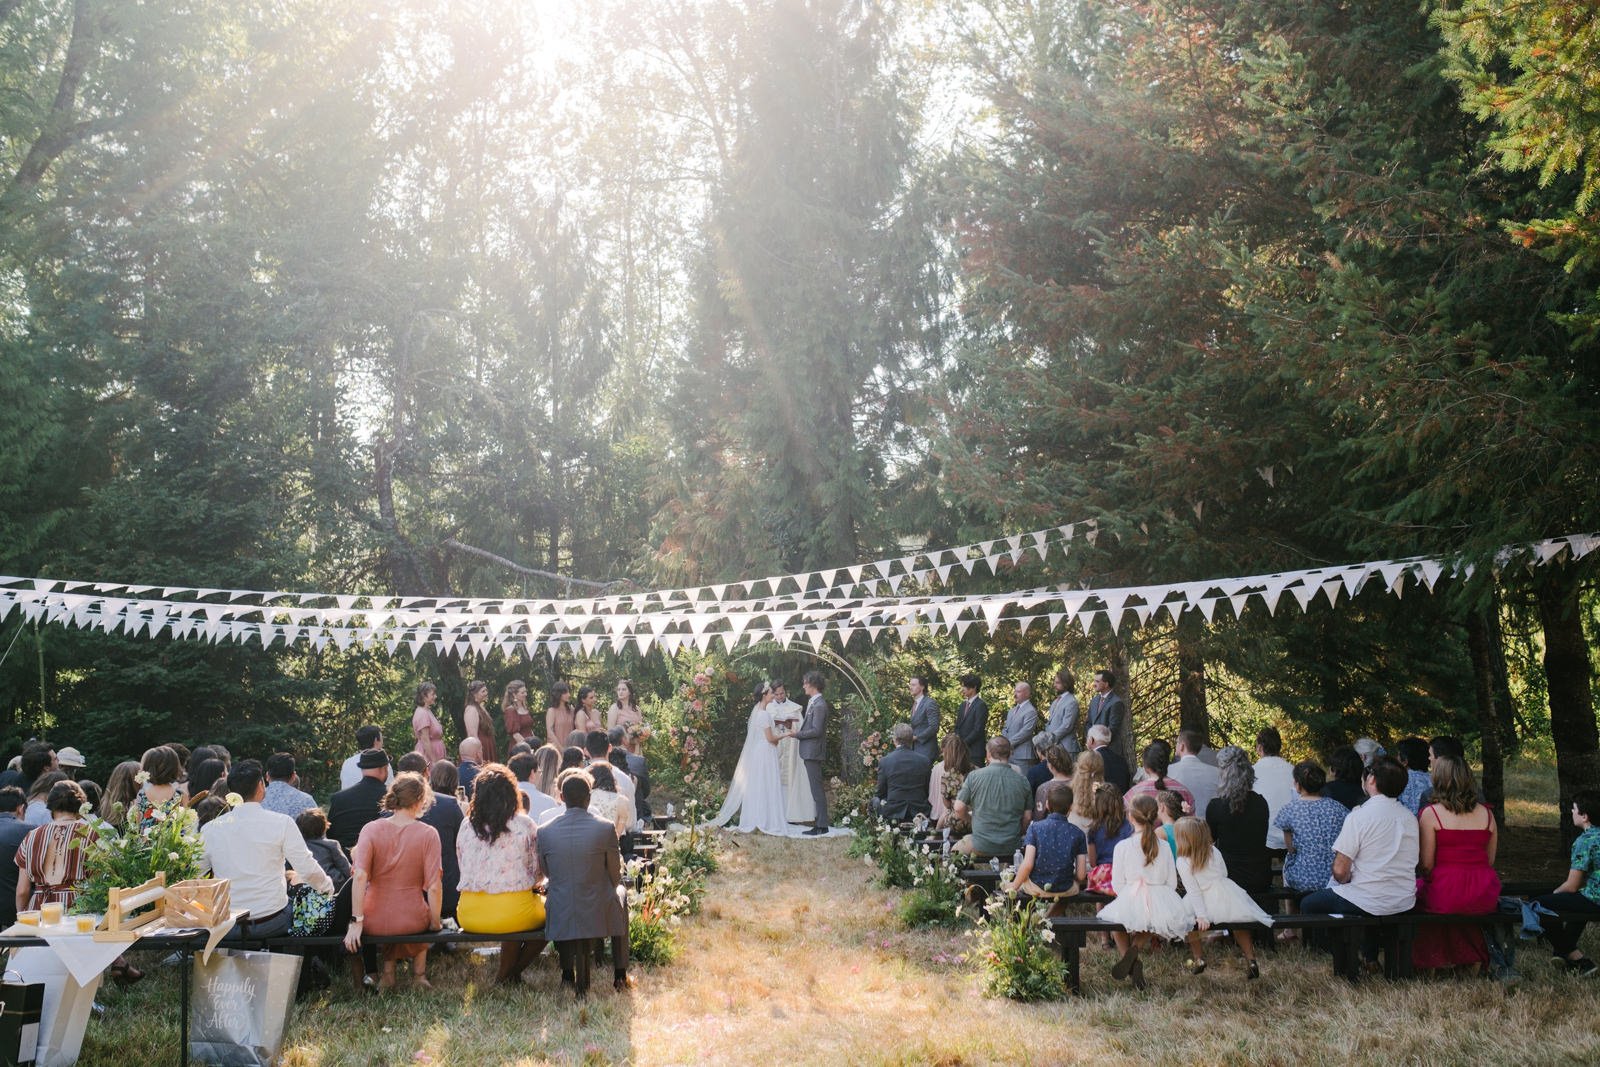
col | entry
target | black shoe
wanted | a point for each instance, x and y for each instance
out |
(1253, 972)
(1125, 965)
(815, 831)
(1137, 974)
(1583, 967)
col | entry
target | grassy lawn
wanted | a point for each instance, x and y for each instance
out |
(799, 959)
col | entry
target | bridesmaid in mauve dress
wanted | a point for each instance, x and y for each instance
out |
(397, 878)
(425, 725)
(1457, 839)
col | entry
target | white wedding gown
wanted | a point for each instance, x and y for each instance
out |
(756, 792)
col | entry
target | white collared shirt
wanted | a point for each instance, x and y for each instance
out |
(1380, 837)
(249, 846)
(1275, 782)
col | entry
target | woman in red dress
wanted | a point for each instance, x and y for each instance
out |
(1457, 839)
(475, 719)
(519, 720)
(397, 879)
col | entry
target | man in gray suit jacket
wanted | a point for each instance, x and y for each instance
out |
(584, 898)
(1062, 729)
(903, 779)
(813, 739)
(1022, 721)
(924, 720)
(1108, 708)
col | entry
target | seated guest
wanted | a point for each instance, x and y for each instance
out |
(1108, 826)
(71, 762)
(499, 863)
(601, 741)
(412, 763)
(1088, 772)
(946, 779)
(204, 776)
(579, 739)
(1145, 883)
(329, 854)
(283, 793)
(1368, 750)
(445, 817)
(1098, 738)
(629, 790)
(604, 800)
(1169, 809)
(1310, 823)
(12, 830)
(582, 865)
(573, 757)
(996, 799)
(1154, 760)
(1214, 897)
(49, 861)
(38, 810)
(1374, 856)
(351, 809)
(1057, 764)
(471, 752)
(367, 738)
(395, 885)
(1451, 747)
(1457, 839)
(1345, 773)
(1237, 817)
(523, 766)
(1579, 893)
(1274, 779)
(1198, 776)
(903, 776)
(120, 790)
(1055, 854)
(546, 765)
(37, 758)
(596, 746)
(210, 807)
(250, 846)
(159, 797)
(1414, 755)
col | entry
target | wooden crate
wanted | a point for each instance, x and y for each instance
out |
(120, 923)
(201, 902)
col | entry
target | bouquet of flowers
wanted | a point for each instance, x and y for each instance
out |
(131, 856)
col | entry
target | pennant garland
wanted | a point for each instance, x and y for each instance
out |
(679, 618)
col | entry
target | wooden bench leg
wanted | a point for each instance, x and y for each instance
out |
(1347, 954)
(1398, 940)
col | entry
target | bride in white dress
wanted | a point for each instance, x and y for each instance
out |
(756, 792)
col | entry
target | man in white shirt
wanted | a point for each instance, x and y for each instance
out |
(521, 766)
(1274, 780)
(249, 846)
(1197, 776)
(366, 737)
(1375, 854)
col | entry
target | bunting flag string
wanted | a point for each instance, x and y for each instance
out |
(475, 627)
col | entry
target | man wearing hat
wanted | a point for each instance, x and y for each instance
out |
(351, 809)
(71, 761)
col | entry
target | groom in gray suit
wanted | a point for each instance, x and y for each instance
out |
(813, 739)
(578, 853)
(924, 720)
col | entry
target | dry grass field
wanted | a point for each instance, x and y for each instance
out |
(798, 959)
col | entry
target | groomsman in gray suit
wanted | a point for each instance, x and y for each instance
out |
(924, 720)
(1062, 729)
(1022, 721)
(813, 738)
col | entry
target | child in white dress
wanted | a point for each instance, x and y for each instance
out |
(1214, 896)
(1146, 881)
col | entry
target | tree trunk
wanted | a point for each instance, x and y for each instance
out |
(1491, 713)
(1566, 667)
(1192, 712)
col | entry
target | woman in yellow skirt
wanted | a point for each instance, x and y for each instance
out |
(500, 870)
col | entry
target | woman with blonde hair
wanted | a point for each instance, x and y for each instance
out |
(120, 790)
(1212, 895)
(1457, 840)
(546, 765)
(1146, 880)
(1087, 775)
(397, 884)
(514, 709)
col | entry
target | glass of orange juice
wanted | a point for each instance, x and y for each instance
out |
(28, 918)
(86, 924)
(50, 914)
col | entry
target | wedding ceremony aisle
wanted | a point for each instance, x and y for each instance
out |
(797, 958)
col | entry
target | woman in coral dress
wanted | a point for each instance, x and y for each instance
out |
(397, 885)
(425, 725)
(1457, 841)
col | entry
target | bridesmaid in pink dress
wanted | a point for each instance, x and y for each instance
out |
(1457, 838)
(397, 878)
(425, 725)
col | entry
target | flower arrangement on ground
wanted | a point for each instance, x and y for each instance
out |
(1013, 953)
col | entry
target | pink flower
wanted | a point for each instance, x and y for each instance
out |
(698, 706)
(702, 679)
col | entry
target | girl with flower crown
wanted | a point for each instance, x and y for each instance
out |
(158, 799)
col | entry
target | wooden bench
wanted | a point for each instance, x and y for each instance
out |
(1345, 932)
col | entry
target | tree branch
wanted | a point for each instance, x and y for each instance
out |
(456, 546)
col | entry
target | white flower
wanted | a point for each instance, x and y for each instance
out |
(86, 809)
(173, 856)
(142, 777)
(1049, 935)
(234, 800)
(158, 815)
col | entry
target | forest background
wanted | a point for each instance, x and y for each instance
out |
(493, 298)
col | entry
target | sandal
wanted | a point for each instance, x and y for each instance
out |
(124, 973)
(1196, 967)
